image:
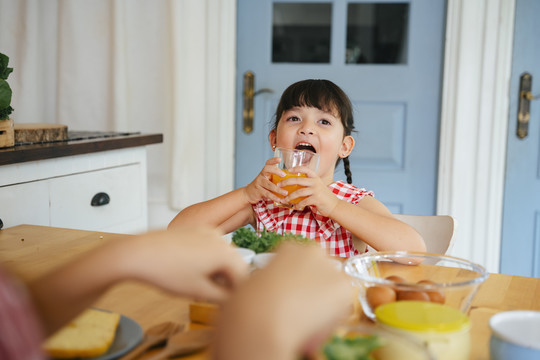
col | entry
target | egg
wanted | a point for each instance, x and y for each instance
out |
(379, 295)
(434, 295)
(395, 278)
(412, 295)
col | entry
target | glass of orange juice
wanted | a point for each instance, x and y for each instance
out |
(291, 158)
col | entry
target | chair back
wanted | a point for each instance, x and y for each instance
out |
(437, 230)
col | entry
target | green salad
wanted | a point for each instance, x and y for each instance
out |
(351, 348)
(264, 241)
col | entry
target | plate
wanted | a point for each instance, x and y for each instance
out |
(128, 335)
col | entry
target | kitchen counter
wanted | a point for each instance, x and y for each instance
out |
(81, 142)
(92, 181)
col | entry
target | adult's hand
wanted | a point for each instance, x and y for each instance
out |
(284, 307)
(189, 261)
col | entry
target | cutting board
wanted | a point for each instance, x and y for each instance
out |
(203, 312)
(39, 132)
(6, 133)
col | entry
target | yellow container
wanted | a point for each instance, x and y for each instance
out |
(444, 330)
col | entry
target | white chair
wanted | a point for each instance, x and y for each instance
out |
(437, 230)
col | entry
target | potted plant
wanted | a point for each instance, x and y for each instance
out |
(7, 137)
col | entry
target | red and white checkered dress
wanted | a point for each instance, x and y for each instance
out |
(333, 237)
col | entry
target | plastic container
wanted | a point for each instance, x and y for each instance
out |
(444, 330)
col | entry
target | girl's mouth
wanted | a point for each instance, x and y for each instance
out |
(305, 146)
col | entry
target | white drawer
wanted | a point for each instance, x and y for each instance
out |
(25, 204)
(71, 196)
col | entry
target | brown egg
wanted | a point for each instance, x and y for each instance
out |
(434, 295)
(395, 278)
(379, 295)
(412, 295)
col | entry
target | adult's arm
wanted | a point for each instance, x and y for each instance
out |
(176, 261)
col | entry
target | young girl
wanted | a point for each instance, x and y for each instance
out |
(313, 115)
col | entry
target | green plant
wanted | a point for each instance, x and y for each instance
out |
(5, 90)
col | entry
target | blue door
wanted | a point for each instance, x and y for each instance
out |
(520, 248)
(386, 55)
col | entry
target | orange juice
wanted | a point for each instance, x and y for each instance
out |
(289, 188)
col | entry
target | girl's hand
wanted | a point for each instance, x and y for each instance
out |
(262, 187)
(314, 190)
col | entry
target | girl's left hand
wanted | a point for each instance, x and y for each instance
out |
(314, 190)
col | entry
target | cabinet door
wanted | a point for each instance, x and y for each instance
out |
(26, 203)
(71, 198)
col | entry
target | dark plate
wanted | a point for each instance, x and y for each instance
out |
(128, 335)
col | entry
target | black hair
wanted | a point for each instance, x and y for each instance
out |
(325, 96)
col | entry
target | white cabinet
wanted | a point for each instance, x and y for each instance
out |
(58, 192)
(24, 203)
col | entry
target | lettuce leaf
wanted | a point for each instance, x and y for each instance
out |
(264, 241)
(356, 348)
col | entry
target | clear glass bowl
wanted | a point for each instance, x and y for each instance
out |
(444, 279)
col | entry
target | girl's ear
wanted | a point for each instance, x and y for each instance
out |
(272, 138)
(347, 146)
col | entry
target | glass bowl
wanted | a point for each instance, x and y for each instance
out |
(385, 277)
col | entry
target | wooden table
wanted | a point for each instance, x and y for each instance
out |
(32, 250)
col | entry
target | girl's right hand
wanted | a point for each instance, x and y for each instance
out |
(262, 186)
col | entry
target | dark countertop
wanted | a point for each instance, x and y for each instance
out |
(78, 142)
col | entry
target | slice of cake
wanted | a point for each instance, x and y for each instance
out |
(89, 335)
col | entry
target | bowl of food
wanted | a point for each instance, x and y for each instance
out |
(387, 277)
(370, 342)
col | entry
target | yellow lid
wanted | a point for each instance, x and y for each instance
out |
(421, 316)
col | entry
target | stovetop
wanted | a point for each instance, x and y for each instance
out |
(86, 135)
(83, 135)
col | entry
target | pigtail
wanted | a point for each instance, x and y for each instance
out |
(347, 167)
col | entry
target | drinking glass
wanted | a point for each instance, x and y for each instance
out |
(291, 158)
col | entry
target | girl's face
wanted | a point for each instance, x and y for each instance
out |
(322, 132)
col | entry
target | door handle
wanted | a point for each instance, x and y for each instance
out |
(525, 98)
(100, 199)
(248, 94)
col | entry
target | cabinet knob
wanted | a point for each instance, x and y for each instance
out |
(100, 199)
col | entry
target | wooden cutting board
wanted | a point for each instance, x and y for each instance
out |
(39, 132)
(7, 135)
(203, 313)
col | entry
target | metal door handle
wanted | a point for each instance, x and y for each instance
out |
(248, 94)
(529, 96)
(525, 98)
